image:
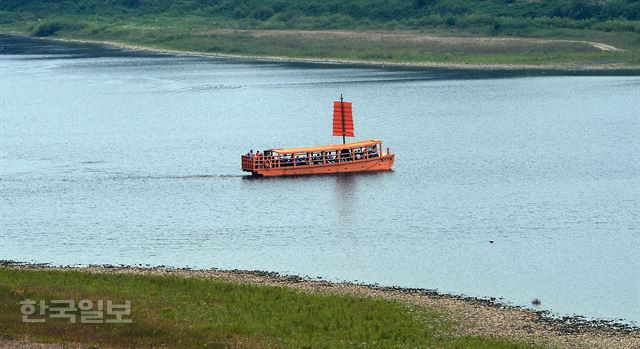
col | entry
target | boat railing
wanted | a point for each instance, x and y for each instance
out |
(253, 162)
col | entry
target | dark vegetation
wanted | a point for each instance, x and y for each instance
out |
(492, 16)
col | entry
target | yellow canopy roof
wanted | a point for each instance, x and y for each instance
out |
(328, 147)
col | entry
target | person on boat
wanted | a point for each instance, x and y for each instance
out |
(358, 153)
(345, 155)
(373, 151)
(250, 153)
(258, 158)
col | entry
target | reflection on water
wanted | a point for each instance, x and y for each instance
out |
(117, 157)
(345, 191)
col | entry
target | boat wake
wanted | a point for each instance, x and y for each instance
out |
(161, 177)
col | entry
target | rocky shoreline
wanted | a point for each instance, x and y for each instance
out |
(472, 316)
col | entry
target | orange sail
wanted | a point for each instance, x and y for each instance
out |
(342, 119)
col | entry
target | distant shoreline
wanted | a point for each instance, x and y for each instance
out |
(600, 69)
(479, 316)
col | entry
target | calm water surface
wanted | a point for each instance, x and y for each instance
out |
(115, 157)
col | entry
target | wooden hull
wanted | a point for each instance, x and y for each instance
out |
(383, 163)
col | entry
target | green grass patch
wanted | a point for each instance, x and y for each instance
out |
(404, 46)
(173, 311)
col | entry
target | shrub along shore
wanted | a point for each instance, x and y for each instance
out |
(218, 308)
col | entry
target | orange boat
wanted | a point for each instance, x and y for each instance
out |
(361, 156)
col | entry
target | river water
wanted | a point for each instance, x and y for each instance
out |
(514, 186)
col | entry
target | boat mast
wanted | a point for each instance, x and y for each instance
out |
(342, 110)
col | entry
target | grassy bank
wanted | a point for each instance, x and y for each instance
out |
(542, 33)
(218, 308)
(185, 312)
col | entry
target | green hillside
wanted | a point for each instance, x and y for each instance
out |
(199, 25)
